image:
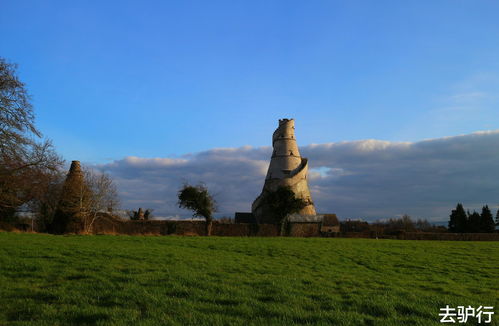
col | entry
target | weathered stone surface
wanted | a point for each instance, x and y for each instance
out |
(287, 168)
(67, 218)
(75, 170)
(300, 218)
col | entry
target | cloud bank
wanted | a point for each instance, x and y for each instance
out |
(367, 179)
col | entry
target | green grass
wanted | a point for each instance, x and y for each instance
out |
(134, 280)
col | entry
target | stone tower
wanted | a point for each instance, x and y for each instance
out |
(287, 168)
(75, 172)
(67, 218)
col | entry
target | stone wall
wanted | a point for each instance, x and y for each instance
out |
(107, 224)
(234, 230)
(304, 229)
(111, 225)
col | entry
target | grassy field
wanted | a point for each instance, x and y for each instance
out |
(127, 280)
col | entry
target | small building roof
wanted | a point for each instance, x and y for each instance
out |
(243, 217)
(330, 220)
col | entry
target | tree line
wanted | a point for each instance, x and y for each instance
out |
(462, 221)
(391, 226)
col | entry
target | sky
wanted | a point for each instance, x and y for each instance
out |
(387, 96)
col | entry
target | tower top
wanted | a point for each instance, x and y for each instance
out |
(75, 167)
(281, 121)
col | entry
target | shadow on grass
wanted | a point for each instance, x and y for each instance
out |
(83, 318)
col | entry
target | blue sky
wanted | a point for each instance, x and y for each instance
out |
(161, 79)
(157, 78)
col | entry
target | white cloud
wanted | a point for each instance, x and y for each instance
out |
(355, 179)
(468, 97)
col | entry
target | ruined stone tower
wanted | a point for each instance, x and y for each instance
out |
(74, 197)
(75, 172)
(287, 168)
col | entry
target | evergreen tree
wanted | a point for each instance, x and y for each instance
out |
(458, 219)
(486, 220)
(474, 222)
(497, 217)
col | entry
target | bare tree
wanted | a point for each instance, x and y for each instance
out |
(16, 112)
(45, 205)
(86, 194)
(26, 165)
(102, 197)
